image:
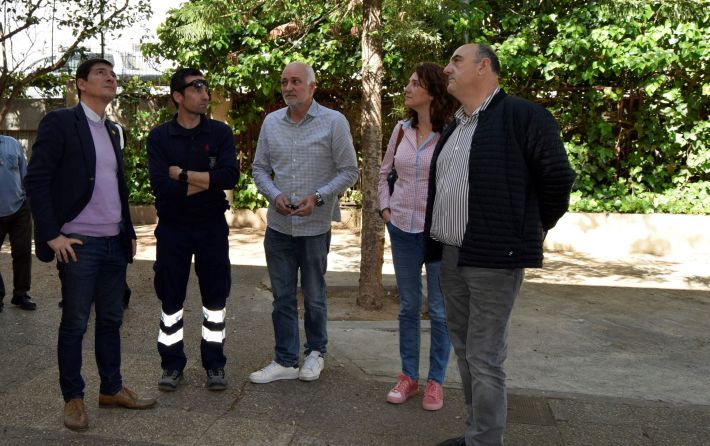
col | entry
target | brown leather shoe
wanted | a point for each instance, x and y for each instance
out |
(125, 398)
(75, 417)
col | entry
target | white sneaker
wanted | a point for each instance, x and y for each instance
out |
(312, 367)
(273, 372)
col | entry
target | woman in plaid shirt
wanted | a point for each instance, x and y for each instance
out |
(409, 151)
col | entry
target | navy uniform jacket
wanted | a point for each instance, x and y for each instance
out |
(60, 176)
(209, 147)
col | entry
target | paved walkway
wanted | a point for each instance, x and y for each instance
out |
(602, 352)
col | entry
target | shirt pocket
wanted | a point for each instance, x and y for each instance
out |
(10, 161)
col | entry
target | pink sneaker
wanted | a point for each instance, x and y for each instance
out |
(405, 388)
(433, 396)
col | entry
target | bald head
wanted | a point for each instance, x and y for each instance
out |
(473, 73)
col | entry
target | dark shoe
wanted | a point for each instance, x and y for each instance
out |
(24, 302)
(458, 441)
(125, 398)
(170, 380)
(216, 379)
(75, 417)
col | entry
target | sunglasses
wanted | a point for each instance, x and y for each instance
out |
(197, 84)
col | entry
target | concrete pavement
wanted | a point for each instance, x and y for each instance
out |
(602, 352)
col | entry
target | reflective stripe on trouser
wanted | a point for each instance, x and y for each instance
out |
(213, 334)
(170, 328)
(213, 325)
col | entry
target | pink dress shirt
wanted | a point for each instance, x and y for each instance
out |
(407, 204)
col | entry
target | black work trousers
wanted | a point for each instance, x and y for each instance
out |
(18, 227)
(175, 246)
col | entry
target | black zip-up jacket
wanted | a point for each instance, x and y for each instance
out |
(207, 147)
(519, 184)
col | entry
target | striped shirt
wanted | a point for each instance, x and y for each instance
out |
(407, 204)
(450, 214)
(299, 158)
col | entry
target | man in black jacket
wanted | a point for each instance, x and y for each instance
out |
(499, 180)
(79, 200)
(192, 160)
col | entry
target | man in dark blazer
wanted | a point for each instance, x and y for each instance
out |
(77, 191)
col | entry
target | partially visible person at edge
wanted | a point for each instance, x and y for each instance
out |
(304, 159)
(77, 191)
(191, 161)
(499, 180)
(15, 222)
(429, 107)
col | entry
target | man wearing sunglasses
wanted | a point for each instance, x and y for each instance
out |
(309, 150)
(191, 161)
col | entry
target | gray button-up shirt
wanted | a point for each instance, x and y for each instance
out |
(299, 158)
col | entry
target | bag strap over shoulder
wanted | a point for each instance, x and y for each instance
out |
(400, 135)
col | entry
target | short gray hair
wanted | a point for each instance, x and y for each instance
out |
(310, 74)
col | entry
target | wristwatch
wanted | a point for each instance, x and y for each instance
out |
(319, 199)
(183, 176)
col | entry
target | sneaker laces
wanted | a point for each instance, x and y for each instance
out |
(311, 361)
(171, 374)
(269, 368)
(433, 390)
(215, 373)
(403, 385)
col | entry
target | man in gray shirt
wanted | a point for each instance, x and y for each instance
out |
(304, 159)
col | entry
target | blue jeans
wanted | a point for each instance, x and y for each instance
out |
(479, 302)
(285, 255)
(408, 258)
(99, 277)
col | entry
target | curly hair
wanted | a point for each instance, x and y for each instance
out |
(434, 81)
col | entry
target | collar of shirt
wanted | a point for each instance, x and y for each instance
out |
(176, 129)
(313, 111)
(464, 119)
(91, 115)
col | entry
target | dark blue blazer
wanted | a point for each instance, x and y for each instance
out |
(60, 176)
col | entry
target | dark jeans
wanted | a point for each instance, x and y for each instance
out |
(98, 276)
(408, 259)
(19, 227)
(176, 244)
(479, 302)
(285, 256)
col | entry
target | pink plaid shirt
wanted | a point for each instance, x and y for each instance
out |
(408, 201)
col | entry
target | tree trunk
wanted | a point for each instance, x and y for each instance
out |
(371, 295)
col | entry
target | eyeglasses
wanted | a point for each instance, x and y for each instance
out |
(197, 84)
